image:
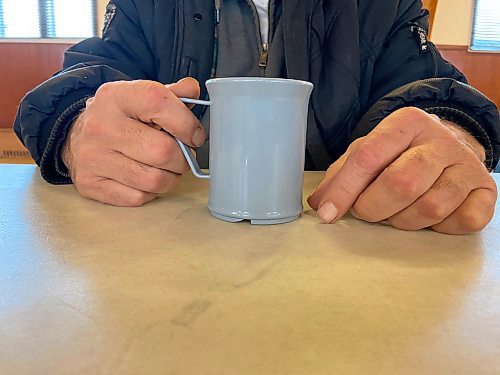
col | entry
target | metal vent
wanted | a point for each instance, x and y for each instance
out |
(12, 154)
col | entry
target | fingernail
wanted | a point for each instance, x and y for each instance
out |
(328, 212)
(198, 137)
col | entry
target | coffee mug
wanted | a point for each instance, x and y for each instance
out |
(257, 148)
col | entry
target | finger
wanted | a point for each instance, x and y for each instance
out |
(147, 145)
(444, 197)
(400, 184)
(183, 90)
(116, 194)
(152, 102)
(120, 168)
(379, 149)
(89, 101)
(314, 198)
(472, 215)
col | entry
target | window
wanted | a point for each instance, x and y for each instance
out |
(47, 18)
(486, 26)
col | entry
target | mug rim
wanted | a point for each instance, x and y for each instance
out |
(229, 80)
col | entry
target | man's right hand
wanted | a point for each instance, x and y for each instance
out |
(115, 151)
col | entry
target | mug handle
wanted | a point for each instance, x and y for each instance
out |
(190, 158)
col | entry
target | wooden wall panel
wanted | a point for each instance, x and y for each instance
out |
(22, 67)
(481, 69)
(431, 5)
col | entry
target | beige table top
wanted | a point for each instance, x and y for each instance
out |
(93, 289)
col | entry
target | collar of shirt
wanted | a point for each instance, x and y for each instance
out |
(263, 11)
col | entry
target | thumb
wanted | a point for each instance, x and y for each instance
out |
(186, 88)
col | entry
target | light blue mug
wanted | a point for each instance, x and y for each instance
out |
(257, 148)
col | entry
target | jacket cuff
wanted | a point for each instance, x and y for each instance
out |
(42, 106)
(52, 167)
(467, 123)
(450, 100)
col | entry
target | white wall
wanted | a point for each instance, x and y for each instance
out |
(453, 22)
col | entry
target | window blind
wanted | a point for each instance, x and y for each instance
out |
(47, 18)
(486, 26)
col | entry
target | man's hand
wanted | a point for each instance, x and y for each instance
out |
(414, 171)
(116, 152)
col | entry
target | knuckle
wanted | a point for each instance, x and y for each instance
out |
(490, 184)
(163, 149)
(368, 157)
(135, 198)
(472, 220)
(403, 185)
(92, 126)
(354, 145)
(106, 89)
(173, 182)
(89, 102)
(154, 96)
(433, 209)
(356, 142)
(412, 114)
(154, 180)
(364, 212)
(494, 189)
(398, 223)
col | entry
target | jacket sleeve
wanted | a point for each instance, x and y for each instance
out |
(411, 72)
(46, 113)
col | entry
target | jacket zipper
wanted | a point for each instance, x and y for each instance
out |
(264, 47)
(264, 55)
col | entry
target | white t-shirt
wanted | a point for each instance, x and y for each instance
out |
(263, 10)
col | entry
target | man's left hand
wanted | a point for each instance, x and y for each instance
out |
(414, 171)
